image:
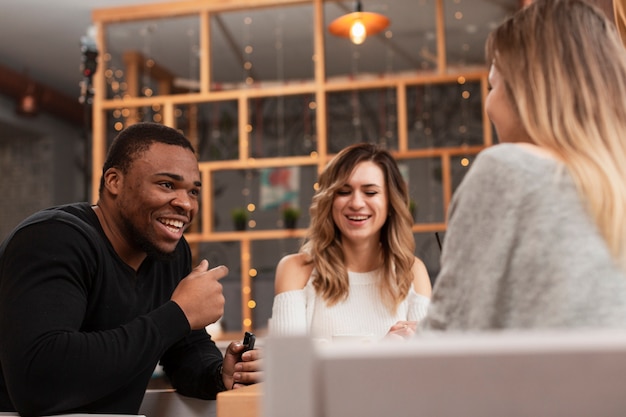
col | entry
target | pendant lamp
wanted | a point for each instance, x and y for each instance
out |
(358, 25)
(27, 102)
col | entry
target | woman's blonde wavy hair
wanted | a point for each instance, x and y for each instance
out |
(323, 241)
(564, 68)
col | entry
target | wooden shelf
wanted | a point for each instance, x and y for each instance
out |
(251, 235)
(319, 87)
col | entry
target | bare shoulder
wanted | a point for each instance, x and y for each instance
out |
(292, 273)
(421, 279)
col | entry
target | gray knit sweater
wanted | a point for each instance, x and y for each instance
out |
(521, 252)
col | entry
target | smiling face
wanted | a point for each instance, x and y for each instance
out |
(360, 206)
(157, 198)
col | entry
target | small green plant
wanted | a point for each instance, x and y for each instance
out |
(240, 218)
(291, 216)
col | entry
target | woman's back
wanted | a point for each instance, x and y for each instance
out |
(521, 251)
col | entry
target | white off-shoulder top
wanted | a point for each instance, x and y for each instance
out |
(361, 314)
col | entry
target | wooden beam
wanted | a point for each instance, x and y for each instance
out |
(440, 17)
(180, 8)
(15, 84)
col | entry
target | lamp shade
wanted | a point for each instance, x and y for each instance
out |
(28, 103)
(373, 23)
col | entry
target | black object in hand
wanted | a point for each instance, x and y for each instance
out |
(248, 341)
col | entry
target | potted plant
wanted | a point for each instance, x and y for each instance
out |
(290, 216)
(240, 218)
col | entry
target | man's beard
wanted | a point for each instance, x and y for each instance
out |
(140, 240)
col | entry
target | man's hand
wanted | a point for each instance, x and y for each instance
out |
(200, 296)
(241, 369)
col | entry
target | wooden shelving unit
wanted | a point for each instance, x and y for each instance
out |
(319, 87)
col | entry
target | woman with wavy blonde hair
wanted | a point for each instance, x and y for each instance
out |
(537, 230)
(356, 273)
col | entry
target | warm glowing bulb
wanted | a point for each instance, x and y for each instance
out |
(358, 32)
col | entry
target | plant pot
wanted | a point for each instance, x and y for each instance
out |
(291, 223)
(239, 225)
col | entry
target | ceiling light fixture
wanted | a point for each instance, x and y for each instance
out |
(27, 102)
(358, 25)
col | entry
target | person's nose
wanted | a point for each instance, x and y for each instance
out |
(356, 200)
(183, 201)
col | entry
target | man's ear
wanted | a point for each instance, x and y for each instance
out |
(113, 179)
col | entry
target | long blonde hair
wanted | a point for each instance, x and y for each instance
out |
(323, 241)
(564, 68)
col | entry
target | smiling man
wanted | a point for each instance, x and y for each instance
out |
(92, 297)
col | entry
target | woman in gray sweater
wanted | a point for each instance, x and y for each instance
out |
(537, 230)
